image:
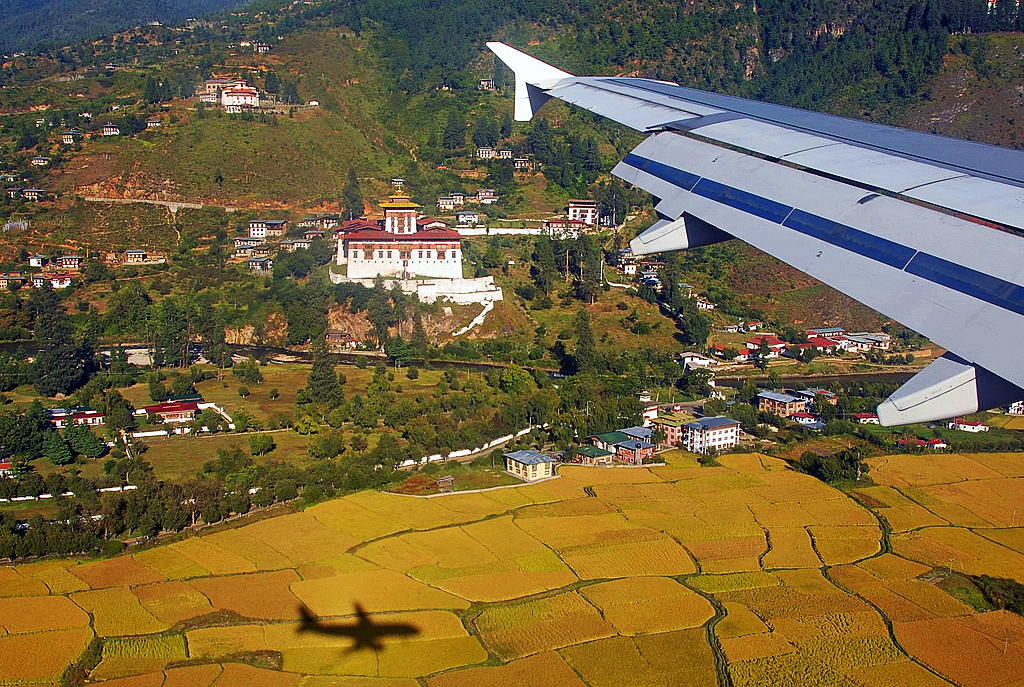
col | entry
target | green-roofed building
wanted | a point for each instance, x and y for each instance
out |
(608, 440)
(592, 455)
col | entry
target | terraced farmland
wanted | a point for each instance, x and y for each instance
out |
(678, 575)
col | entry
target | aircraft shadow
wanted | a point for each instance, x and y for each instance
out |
(364, 632)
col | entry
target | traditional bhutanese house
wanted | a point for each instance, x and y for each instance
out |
(634, 451)
(530, 466)
(467, 217)
(262, 250)
(8, 281)
(64, 417)
(175, 411)
(292, 245)
(111, 130)
(71, 136)
(134, 256)
(33, 194)
(592, 455)
(583, 210)
(60, 281)
(866, 418)
(261, 264)
(70, 262)
(313, 234)
(608, 440)
(37, 260)
(40, 161)
(425, 223)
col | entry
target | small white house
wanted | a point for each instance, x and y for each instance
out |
(965, 426)
(467, 217)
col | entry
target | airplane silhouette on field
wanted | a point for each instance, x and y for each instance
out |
(366, 633)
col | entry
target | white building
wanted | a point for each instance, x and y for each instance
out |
(965, 426)
(711, 434)
(467, 217)
(262, 228)
(407, 247)
(485, 153)
(236, 98)
(1015, 408)
(583, 210)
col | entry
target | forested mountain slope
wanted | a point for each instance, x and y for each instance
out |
(26, 24)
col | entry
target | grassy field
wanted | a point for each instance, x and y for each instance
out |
(179, 458)
(571, 577)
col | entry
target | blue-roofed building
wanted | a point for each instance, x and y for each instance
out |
(711, 434)
(640, 433)
(530, 466)
(780, 403)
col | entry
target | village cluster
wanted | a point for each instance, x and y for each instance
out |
(61, 271)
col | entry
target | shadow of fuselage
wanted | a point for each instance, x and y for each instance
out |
(365, 633)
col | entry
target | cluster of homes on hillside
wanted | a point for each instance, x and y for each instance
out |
(824, 340)
(60, 272)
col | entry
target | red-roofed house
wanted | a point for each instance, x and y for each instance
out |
(62, 419)
(804, 418)
(866, 418)
(176, 411)
(6, 468)
(775, 345)
(937, 444)
(965, 426)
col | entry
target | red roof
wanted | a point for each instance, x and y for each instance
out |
(965, 423)
(772, 341)
(354, 224)
(376, 235)
(6, 465)
(820, 341)
(802, 415)
(175, 407)
(865, 416)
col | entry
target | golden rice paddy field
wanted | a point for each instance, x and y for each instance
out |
(745, 573)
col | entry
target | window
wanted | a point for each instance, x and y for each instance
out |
(420, 254)
(389, 254)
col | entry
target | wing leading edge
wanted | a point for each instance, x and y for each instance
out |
(852, 204)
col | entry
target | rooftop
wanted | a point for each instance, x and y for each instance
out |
(779, 397)
(528, 457)
(634, 444)
(612, 437)
(712, 423)
(593, 452)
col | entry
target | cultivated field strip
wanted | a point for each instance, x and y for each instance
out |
(744, 572)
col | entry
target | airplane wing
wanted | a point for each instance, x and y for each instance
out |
(922, 228)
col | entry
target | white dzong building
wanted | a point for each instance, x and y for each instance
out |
(406, 246)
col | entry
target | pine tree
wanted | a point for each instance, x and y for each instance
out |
(56, 449)
(585, 354)
(506, 126)
(322, 385)
(454, 135)
(353, 195)
(83, 441)
(272, 84)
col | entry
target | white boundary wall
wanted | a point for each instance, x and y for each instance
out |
(458, 291)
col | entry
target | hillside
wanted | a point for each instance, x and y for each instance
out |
(28, 24)
(397, 100)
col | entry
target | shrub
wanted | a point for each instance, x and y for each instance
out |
(243, 391)
(274, 393)
(412, 373)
